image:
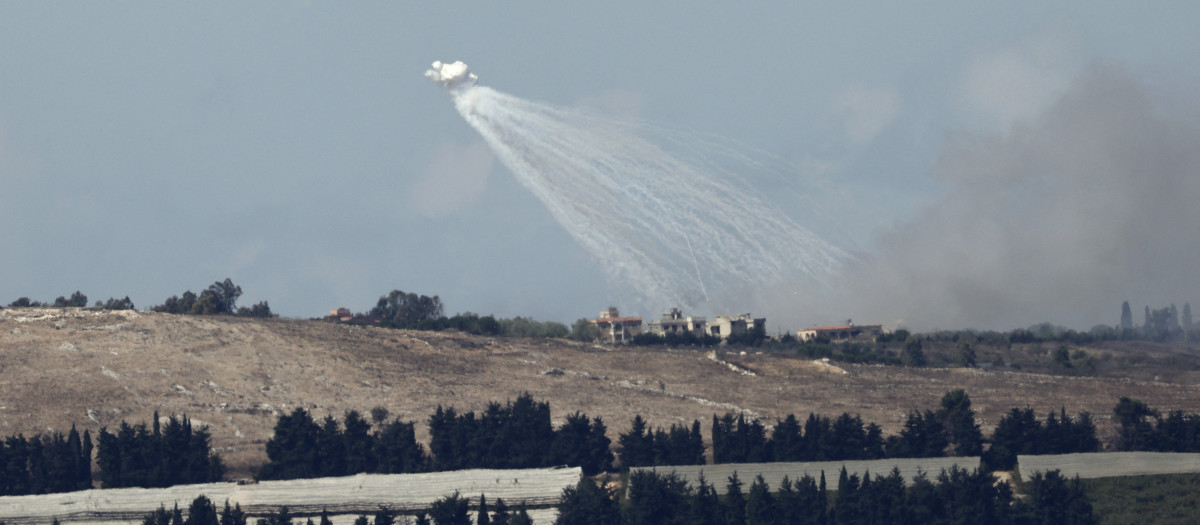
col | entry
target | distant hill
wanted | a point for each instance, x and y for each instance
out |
(60, 366)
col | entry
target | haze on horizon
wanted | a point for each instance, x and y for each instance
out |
(995, 167)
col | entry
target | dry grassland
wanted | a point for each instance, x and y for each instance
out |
(64, 366)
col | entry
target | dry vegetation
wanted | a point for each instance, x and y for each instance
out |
(94, 368)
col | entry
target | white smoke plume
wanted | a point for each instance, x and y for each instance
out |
(1094, 202)
(669, 229)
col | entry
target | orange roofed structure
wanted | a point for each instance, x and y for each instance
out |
(616, 329)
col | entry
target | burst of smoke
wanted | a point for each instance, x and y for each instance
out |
(451, 76)
(669, 228)
(1059, 220)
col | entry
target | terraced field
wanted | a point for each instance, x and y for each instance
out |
(345, 497)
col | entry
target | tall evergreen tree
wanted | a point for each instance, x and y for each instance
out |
(202, 511)
(450, 510)
(655, 499)
(760, 504)
(636, 447)
(1126, 317)
(500, 515)
(234, 515)
(705, 505)
(358, 444)
(959, 420)
(483, 518)
(735, 501)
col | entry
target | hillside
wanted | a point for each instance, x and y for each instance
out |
(95, 368)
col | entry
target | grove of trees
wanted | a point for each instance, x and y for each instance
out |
(161, 456)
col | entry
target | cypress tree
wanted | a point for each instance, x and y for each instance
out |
(822, 502)
(85, 466)
(483, 518)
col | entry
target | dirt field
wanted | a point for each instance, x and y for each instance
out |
(91, 368)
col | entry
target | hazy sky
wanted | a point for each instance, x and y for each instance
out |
(1002, 164)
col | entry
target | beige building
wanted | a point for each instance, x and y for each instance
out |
(674, 322)
(726, 325)
(616, 329)
(846, 332)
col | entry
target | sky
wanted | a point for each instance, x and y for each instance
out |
(997, 166)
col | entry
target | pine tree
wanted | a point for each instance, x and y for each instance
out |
(234, 515)
(160, 516)
(587, 504)
(202, 512)
(358, 444)
(521, 517)
(735, 501)
(500, 515)
(959, 420)
(1126, 317)
(600, 456)
(383, 516)
(450, 510)
(760, 505)
(705, 505)
(483, 518)
(636, 446)
(913, 353)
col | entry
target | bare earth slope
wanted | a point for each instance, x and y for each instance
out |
(96, 368)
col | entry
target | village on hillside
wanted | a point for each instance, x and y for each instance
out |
(615, 329)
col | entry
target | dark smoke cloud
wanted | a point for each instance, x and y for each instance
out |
(1059, 220)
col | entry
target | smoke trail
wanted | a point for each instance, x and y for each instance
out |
(675, 230)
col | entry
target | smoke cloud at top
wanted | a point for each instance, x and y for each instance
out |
(451, 76)
(1058, 220)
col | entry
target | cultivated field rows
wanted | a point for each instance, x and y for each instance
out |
(1111, 464)
(350, 495)
(773, 473)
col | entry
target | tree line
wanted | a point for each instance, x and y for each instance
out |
(46, 464)
(515, 435)
(1141, 428)
(77, 299)
(411, 311)
(219, 298)
(135, 456)
(519, 434)
(951, 430)
(161, 456)
(303, 448)
(955, 496)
